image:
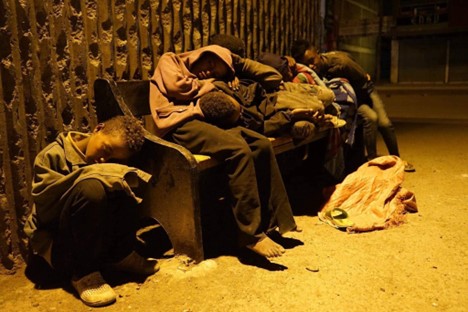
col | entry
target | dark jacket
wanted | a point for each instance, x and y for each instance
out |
(337, 64)
(57, 169)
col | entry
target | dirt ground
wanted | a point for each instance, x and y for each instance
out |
(419, 266)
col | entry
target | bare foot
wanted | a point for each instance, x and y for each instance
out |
(267, 248)
(297, 229)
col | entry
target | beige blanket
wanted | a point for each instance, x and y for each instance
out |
(373, 196)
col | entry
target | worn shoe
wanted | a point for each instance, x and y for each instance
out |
(134, 263)
(409, 167)
(94, 291)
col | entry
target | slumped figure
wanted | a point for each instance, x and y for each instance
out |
(338, 64)
(84, 216)
(258, 196)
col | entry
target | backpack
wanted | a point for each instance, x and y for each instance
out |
(346, 99)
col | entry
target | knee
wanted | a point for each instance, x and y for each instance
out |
(385, 123)
(264, 144)
(246, 151)
(241, 151)
(90, 190)
(367, 114)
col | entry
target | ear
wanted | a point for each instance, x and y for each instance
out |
(99, 127)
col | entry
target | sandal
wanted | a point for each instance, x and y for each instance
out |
(337, 218)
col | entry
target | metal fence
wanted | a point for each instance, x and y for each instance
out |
(52, 51)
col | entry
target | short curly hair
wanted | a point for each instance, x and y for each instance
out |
(131, 129)
(298, 49)
(230, 42)
(219, 109)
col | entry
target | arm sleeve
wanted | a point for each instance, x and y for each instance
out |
(277, 124)
(268, 77)
(51, 176)
(172, 83)
(347, 68)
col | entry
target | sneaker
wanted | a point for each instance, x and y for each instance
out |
(94, 291)
(134, 263)
(409, 167)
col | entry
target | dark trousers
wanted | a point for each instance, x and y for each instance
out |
(259, 198)
(95, 227)
(375, 119)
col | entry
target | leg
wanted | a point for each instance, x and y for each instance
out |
(270, 184)
(231, 147)
(202, 138)
(81, 243)
(275, 208)
(369, 117)
(384, 124)
(387, 130)
(92, 229)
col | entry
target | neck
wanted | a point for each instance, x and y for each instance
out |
(82, 144)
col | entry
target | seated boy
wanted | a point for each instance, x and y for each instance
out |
(85, 209)
(257, 193)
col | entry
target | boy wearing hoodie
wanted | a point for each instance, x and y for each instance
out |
(259, 200)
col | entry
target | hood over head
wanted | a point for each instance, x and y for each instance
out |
(190, 57)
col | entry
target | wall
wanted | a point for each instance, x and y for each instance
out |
(51, 52)
(418, 46)
(426, 103)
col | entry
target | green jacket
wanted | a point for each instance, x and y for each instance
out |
(57, 169)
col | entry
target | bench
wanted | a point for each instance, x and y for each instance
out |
(173, 197)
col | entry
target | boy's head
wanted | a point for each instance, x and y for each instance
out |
(117, 138)
(279, 63)
(220, 109)
(305, 53)
(230, 42)
(210, 65)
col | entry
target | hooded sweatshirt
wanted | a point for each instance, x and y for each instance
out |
(175, 90)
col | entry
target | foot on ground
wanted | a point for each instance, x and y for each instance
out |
(297, 229)
(94, 291)
(267, 247)
(134, 263)
(409, 167)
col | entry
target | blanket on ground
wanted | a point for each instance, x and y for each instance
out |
(373, 196)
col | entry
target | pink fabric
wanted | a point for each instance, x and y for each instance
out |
(373, 196)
